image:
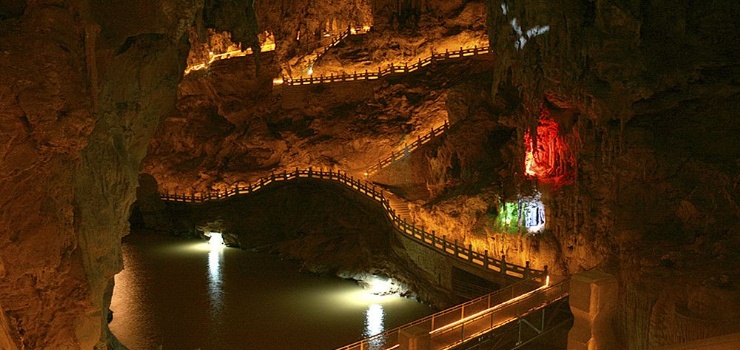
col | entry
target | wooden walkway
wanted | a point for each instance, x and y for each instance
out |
(392, 69)
(405, 152)
(432, 240)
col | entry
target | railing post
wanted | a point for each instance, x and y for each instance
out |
(310, 172)
(272, 176)
(262, 182)
(406, 68)
(470, 252)
(447, 53)
(456, 250)
(444, 243)
(526, 270)
(503, 265)
(485, 259)
(285, 174)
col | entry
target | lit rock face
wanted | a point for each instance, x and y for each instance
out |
(646, 100)
(225, 132)
(83, 88)
(649, 96)
(232, 125)
(644, 95)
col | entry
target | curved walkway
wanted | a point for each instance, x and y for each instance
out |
(431, 240)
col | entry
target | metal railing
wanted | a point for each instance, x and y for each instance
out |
(407, 149)
(432, 240)
(390, 70)
(458, 324)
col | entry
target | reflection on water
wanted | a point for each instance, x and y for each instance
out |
(181, 294)
(374, 325)
(373, 321)
(215, 255)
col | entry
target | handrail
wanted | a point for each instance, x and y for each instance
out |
(392, 68)
(431, 240)
(460, 323)
(407, 149)
(343, 35)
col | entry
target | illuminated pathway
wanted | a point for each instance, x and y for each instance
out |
(451, 327)
(407, 149)
(432, 240)
(392, 69)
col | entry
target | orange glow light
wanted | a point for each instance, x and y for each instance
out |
(234, 51)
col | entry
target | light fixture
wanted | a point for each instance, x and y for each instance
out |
(377, 285)
(216, 240)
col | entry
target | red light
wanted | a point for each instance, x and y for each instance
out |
(551, 159)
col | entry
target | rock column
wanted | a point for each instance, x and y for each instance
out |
(593, 300)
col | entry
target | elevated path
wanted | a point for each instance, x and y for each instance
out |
(391, 69)
(407, 149)
(457, 325)
(463, 257)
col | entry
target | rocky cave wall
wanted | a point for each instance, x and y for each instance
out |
(83, 88)
(645, 96)
(651, 131)
(655, 200)
(653, 90)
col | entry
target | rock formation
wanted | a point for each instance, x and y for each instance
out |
(640, 176)
(83, 88)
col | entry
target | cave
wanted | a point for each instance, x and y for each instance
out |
(584, 152)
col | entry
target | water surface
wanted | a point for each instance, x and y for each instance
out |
(180, 294)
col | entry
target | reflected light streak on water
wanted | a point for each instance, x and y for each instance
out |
(215, 290)
(374, 320)
(374, 324)
(181, 294)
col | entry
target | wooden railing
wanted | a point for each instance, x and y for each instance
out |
(458, 324)
(390, 70)
(407, 149)
(432, 240)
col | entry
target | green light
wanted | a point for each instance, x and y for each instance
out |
(509, 215)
